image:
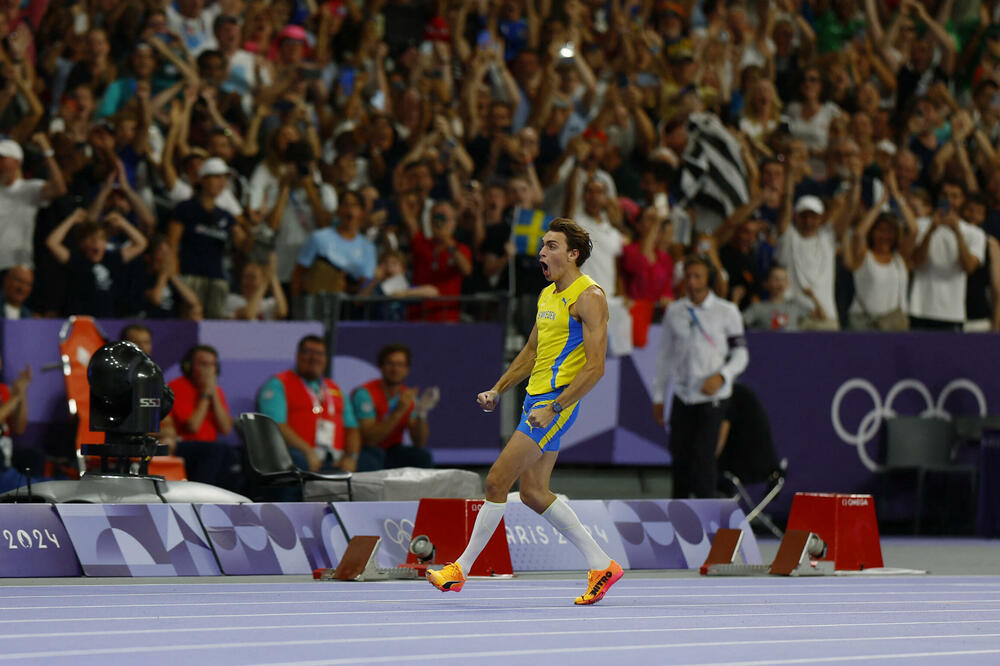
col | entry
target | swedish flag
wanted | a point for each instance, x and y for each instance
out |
(528, 228)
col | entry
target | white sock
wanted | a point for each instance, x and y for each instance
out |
(564, 519)
(486, 523)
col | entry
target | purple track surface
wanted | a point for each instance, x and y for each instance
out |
(643, 620)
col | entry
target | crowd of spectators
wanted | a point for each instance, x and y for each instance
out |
(220, 158)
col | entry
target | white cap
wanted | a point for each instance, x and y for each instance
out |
(12, 149)
(213, 166)
(886, 146)
(810, 204)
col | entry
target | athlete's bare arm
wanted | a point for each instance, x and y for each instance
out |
(591, 308)
(519, 369)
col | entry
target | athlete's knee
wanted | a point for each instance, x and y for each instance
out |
(537, 499)
(497, 486)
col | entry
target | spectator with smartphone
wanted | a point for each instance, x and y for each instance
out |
(948, 249)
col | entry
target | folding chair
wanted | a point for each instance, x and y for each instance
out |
(270, 462)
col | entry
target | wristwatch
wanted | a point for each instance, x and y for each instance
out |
(556, 407)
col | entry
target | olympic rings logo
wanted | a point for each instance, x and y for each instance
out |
(871, 423)
(399, 533)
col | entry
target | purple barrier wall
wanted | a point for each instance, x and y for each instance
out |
(286, 538)
(138, 539)
(34, 543)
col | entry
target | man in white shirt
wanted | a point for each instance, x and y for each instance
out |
(808, 249)
(246, 71)
(193, 22)
(20, 200)
(948, 249)
(604, 261)
(702, 351)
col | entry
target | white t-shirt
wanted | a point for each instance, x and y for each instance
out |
(880, 288)
(815, 131)
(196, 33)
(297, 222)
(236, 301)
(810, 263)
(939, 285)
(602, 265)
(19, 202)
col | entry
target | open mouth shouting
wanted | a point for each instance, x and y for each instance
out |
(545, 268)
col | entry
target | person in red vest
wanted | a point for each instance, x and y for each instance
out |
(201, 416)
(312, 412)
(386, 408)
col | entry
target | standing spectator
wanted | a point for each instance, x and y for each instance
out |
(647, 273)
(96, 281)
(164, 295)
(778, 312)
(314, 415)
(201, 415)
(192, 20)
(703, 350)
(245, 71)
(252, 302)
(742, 261)
(20, 200)
(808, 249)
(97, 69)
(948, 250)
(17, 284)
(386, 408)
(124, 88)
(442, 262)
(600, 217)
(982, 300)
(336, 259)
(878, 254)
(287, 193)
(809, 118)
(198, 231)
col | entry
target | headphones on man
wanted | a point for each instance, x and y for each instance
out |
(189, 358)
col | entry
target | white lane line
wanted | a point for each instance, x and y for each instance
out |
(603, 618)
(156, 649)
(818, 660)
(334, 588)
(381, 625)
(429, 599)
(635, 578)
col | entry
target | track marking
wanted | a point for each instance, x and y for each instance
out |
(602, 618)
(151, 649)
(285, 627)
(179, 592)
(429, 599)
(857, 657)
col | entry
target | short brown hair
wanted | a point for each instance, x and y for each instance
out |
(576, 238)
(394, 348)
